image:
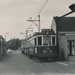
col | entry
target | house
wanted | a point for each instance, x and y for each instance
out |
(66, 34)
(3, 46)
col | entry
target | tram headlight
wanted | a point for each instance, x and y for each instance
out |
(50, 51)
(35, 50)
(44, 51)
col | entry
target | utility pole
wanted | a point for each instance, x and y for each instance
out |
(38, 25)
(5, 35)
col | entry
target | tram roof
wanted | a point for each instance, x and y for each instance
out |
(43, 32)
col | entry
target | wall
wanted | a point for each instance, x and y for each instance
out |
(63, 40)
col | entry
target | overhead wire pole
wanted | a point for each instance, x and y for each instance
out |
(5, 35)
(33, 21)
(39, 11)
(38, 17)
(39, 23)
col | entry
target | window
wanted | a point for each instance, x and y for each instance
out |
(53, 40)
(39, 41)
(46, 40)
(70, 42)
(35, 41)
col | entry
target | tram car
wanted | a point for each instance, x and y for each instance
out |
(41, 45)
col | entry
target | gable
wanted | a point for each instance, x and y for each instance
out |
(53, 25)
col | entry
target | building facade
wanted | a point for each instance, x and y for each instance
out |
(3, 46)
(65, 30)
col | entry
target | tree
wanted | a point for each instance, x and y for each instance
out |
(14, 44)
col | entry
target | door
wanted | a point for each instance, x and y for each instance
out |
(71, 51)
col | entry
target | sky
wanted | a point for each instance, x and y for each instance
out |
(14, 13)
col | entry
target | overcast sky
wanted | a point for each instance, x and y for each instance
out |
(14, 13)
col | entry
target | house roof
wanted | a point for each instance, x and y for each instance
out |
(66, 23)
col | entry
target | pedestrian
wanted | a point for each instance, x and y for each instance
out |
(62, 52)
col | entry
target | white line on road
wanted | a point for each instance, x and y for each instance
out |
(62, 63)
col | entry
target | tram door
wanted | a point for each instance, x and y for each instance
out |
(71, 47)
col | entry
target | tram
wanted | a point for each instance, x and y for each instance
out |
(41, 45)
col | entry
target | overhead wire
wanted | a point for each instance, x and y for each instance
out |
(40, 9)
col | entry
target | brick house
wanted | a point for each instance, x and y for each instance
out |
(66, 34)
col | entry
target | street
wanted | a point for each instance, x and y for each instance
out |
(17, 64)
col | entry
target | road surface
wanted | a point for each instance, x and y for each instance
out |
(17, 64)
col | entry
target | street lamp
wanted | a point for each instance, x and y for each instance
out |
(38, 25)
(5, 35)
(72, 7)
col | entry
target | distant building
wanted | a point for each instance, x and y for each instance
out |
(66, 34)
(3, 46)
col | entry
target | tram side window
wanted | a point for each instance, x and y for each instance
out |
(35, 41)
(39, 41)
(53, 40)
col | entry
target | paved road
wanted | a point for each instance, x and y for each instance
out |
(17, 64)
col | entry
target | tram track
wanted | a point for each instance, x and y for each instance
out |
(51, 68)
(63, 69)
(41, 63)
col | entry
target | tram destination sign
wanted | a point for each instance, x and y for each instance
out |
(45, 30)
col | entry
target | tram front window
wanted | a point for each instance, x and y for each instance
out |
(46, 40)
